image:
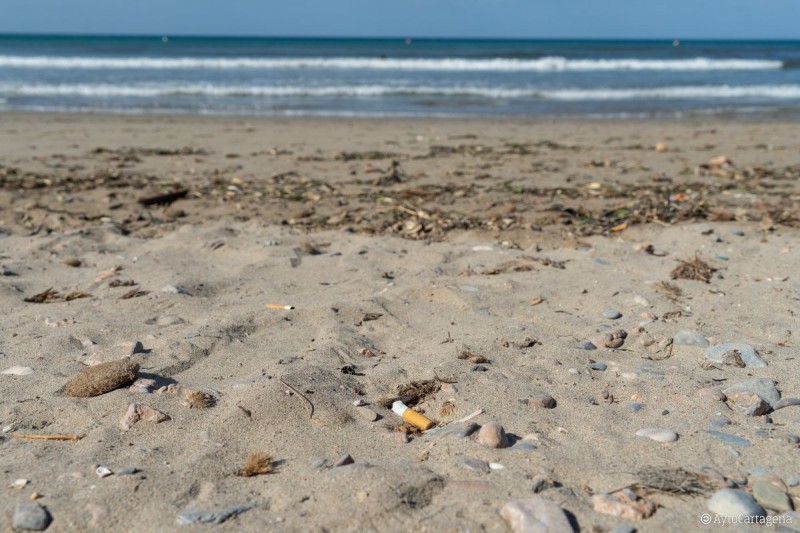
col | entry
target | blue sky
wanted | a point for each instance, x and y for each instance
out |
(712, 19)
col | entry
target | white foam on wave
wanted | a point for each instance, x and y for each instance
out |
(775, 92)
(544, 64)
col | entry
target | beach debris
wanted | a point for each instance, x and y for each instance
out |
(164, 198)
(625, 504)
(73, 262)
(537, 300)
(137, 412)
(492, 435)
(693, 269)
(371, 316)
(31, 517)
(678, 481)
(31, 436)
(344, 460)
(536, 515)
(447, 408)
(411, 416)
(255, 464)
(64, 322)
(103, 472)
(52, 296)
(102, 378)
(106, 274)
(661, 147)
(279, 306)
(203, 517)
(413, 393)
(135, 293)
(469, 416)
(18, 371)
(544, 401)
(309, 405)
(121, 283)
(472, 358)
(197, 400)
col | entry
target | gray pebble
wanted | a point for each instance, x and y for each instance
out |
(535, 515)
(734, 503)
(763, 387)
(737, 232)
(587, 346)
(719, 423)
(658, 435)
(723, 354)
(689, 338)
(792, 481)
(733, 453)
(476, 465)
(634, 407)
(771, 497)
(466, 429)
(343, 461)
(367, 414)
(598, 261)
(729, 439)
(612, 314)
(31, 517)
(521, 446)
(623, 528)
(758, 471)
(469, 288)
(598, 366)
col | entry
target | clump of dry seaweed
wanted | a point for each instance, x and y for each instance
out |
(694, 269)
(255, 464)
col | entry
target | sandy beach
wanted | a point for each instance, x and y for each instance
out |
(567, 280)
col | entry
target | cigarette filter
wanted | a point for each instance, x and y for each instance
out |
(411, 416)
(280, 306)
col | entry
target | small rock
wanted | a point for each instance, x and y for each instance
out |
(658, 435)
(31, 517)
(138, 412)
(771, 497)
(545, 401)
(726, 354)
(367, 414)
(536, 515)
(18, 484)
(711, 392)
(18, 371)
(689, 338)
(598, 366)
(172, 289)
(475, 465)
(641, 300)
(729, 439)
(449, 388)
(792, 481)
(748, 403)
(586, 345)
(496, 466)
(719, 423)
(102, 472)
(465, 429)
(359, 402)
(612, 314)
(492, 435)
(144, 385)
(623, 528)
(634, 407)
(764, 387)
(734, 503)
(344, 461)
(624, 504)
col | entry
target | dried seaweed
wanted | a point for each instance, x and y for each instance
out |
(255, 464)
(404, 427)
(693, 269)
(121, 283)
(447, 408)
(473, 358)
(413, 393)
(670, 290)
(135, 293)
(52, 296)
(198, 400)
(677, 481)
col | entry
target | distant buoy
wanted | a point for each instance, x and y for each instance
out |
(408, 41)
(164, 39)
(676, 43)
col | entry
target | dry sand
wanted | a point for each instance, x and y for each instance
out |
(504, 239)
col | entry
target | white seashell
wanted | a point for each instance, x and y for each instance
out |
(18, 371)
(102, 472)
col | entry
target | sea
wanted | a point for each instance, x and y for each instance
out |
(399, 77)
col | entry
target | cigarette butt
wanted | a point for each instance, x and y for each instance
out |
(411, 416)
(280, 306)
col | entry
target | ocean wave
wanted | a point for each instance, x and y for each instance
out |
(544, 64)
(717, 92)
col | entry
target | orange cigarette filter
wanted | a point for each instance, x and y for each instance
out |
(411, 416)
(279, 306)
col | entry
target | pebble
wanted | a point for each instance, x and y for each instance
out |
(764, 387)
(344, 461)
(723, 354)
(689, 338)
(729, 439)
(624, 504)
(536, 515)
(612, 314)
(496, 466)
(18, 484)
(771, 497)
(18, 371)
(598, 366)
(792, 481)
(137, 412)
(31, 517)
(367, 414)
(748, 403)
(711, 392)
(623, 528)
(634, 407)
(641, 300)
(476, 465)
(658, 435)
(172, 289)
(587, 346)
(468, 288)
(545, 401)
(719, 423)
(492, 435)
(734, 503)
(102, 472)
(202, 517)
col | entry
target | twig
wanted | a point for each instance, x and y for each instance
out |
(46, 437)
(469, 417)
(306, 400)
